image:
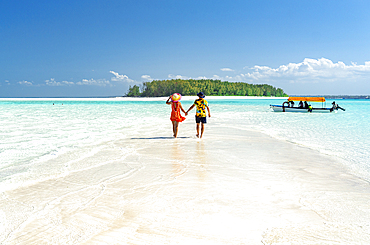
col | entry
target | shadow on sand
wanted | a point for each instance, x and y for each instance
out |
(159, 138)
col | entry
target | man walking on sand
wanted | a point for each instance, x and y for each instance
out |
(200, 116)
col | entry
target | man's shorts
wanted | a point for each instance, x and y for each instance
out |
(200, 119)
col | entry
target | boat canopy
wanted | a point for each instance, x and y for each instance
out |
(312, 99)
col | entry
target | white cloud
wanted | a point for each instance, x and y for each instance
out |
(177, 77)
(201, 77)
(100, 82)
(52, 82)
(120, 78)
(146, 77)
(310, 70)
(214, 77)
(68, 83)
(25, 83)
(226, 69)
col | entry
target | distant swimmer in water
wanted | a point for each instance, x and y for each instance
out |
(176, 118)
(200, 116)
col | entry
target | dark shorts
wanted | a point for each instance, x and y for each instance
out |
(200, 119)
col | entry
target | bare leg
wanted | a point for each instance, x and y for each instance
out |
(202, 130)
(197, 130)
(175, 126)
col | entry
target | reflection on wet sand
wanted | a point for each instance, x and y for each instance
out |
(196, 160)
(178, 159)
(201, 155)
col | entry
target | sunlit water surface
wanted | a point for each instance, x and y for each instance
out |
(34, 132)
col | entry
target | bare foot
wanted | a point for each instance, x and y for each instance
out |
(197, 135)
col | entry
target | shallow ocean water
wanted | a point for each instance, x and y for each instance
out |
(109, 171)
(36, 131)
(343, 134)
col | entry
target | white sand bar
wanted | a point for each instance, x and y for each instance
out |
(232, 187)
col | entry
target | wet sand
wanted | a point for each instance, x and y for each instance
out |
(231, 187)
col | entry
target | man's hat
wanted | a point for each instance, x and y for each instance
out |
(201, 95)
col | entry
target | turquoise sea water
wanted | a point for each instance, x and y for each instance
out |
(41, 139)
(344, 134)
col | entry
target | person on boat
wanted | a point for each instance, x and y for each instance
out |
(200, 116)
(292, 103)
(310, 108)
(336, 107)
(176, 117)
(306, 105)
(300, 105)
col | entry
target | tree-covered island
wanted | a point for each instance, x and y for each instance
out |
(163, 88)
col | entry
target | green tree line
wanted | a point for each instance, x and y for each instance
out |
(162, 88)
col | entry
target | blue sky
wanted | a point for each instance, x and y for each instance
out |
(99, 48)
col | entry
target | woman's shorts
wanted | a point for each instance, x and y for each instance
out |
(200, 119)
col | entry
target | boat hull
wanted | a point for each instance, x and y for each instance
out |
(279, 108)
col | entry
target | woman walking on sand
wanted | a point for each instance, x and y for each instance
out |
(176, 117)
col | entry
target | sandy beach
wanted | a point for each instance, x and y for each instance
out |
(232, 187)
(89, 116)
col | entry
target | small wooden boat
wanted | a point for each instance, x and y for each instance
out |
(304, 106)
